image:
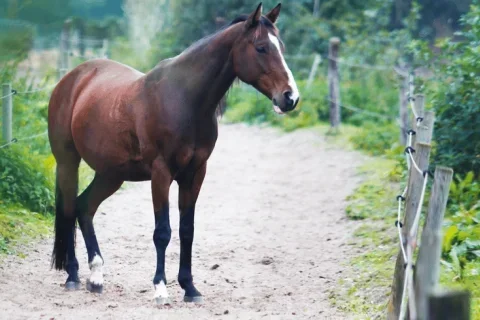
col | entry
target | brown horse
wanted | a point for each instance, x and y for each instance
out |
(160, 126)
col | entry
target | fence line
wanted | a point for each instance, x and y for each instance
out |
(63, 67)
(15, 140)
(363, 66)
(411, 293)
(367, 112)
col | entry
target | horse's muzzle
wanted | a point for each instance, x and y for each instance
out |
(286, 103)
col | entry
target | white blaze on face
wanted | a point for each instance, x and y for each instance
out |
(291, 80)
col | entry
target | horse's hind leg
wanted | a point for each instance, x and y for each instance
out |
(87, 204)
(63, 256)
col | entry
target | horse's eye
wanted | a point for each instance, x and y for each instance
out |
(261, 49)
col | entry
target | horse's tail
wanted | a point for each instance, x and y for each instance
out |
(63, 229)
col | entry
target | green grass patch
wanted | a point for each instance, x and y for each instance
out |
(19, 226)
(365, 290)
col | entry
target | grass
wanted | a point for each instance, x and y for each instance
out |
(365, 291)
(19, 226)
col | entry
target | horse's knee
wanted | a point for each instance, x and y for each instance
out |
(163, 232)
(162, 235)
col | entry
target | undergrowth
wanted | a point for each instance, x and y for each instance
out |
(27, 168)
(365, 292)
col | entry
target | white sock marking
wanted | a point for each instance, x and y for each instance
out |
(291, 80)
(96, 267)
(161, 290)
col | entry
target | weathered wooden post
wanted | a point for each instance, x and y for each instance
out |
(427, 268)
(334, 83)
(105, 49)
(7, 112)
(313, 70)
(425, 128)
(403, 110)
(449, 305)
(415, 185)
(64, 61)
(316, 8)
(419, 104)
(81, 36)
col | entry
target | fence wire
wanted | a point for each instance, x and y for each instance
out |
(366, 112)
(48, 87)
(409, 244)
(362, 66)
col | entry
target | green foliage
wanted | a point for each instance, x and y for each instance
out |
(375, 139)
(25, 179)
(16, 39)
(364, 290)
(246, 104)
(464, 192)
(27, 167)
(370, 92)
(456, 95)
(18, 225)
(470, 281)
(461, 241)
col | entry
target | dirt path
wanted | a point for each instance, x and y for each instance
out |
(270, 214)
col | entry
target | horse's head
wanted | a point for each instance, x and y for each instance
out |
(258, 60)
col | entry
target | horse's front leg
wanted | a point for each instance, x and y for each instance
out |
(189, 187)
(161, 181)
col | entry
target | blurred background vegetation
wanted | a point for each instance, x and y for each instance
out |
(440, 39)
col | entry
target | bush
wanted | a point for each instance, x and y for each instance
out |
(16, 39)
(26, 179)
(456, 99)
(375, 139)
(461, 242)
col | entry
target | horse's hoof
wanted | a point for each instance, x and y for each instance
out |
(162, 301)
(196, 299)
(72, 285)
(94, 288)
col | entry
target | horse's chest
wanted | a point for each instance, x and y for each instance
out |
(190, 157)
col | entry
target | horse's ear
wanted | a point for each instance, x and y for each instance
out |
(254, 17)
(274, 13)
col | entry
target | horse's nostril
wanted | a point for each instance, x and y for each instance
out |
(288, 97)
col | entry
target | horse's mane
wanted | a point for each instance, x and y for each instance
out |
(222, 105)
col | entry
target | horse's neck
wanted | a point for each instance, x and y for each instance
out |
(205, 70)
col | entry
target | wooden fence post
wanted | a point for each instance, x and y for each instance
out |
(334, 83)
(425, 128)
(313, 70)
(403, 110)
(81, 36)
(427, 268)
(449, 305)
(7, 112)
(64, 60)
(105, 51)
(316, 8)
(415, 185)
(419, 104)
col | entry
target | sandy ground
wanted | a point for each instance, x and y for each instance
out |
(270, 216)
